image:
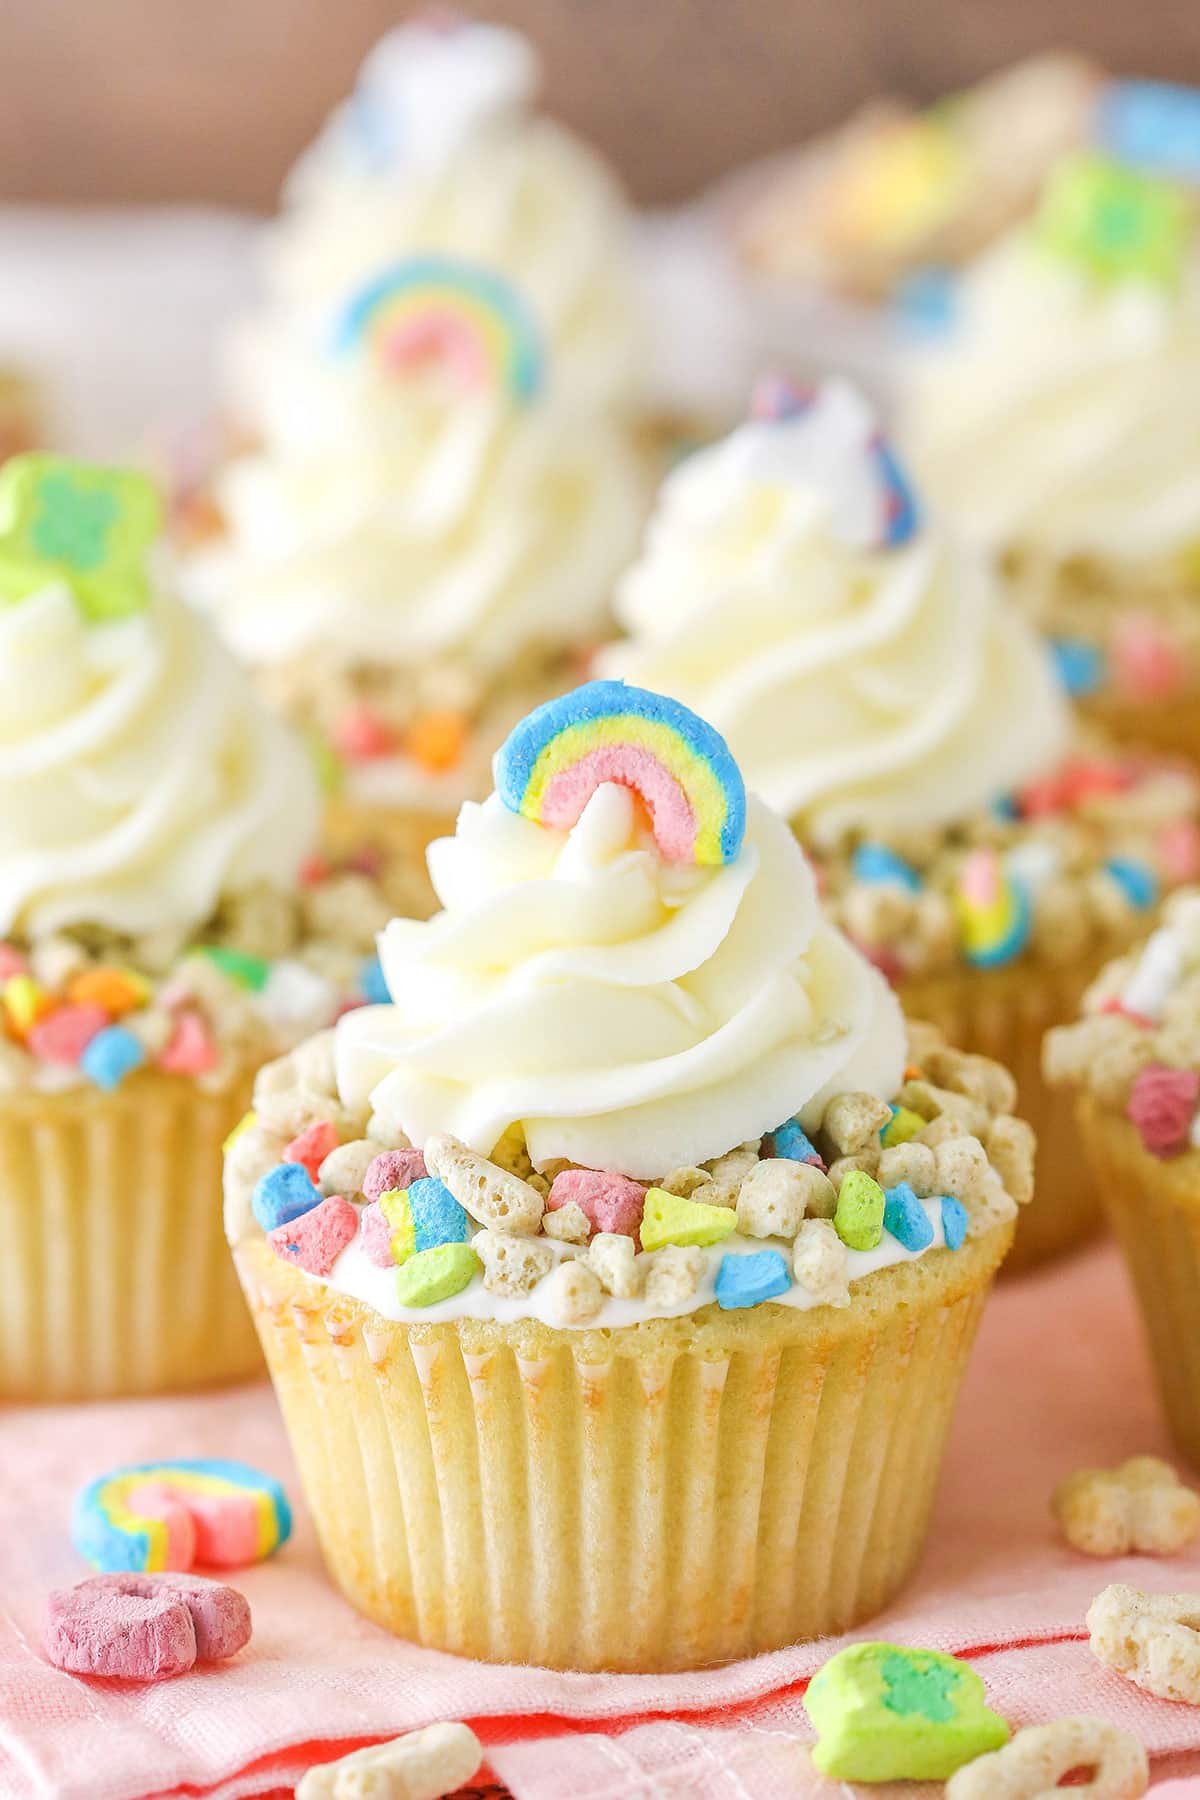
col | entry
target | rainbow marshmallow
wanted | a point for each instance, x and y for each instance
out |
(444, 310)
(993, 911)
(604, 731)
(835, 414)
(165, 1515)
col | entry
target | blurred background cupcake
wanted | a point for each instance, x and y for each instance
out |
(630, 1213)
(163, 933)
(1132, 1063)
(879, 690)
(443, 468)
(1056, 419)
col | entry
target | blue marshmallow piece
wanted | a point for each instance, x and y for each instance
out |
(1080, 665)
(112, 1054)
(905, 1218)
(436, 1215)
(284, 1193)
(749, 1280)
(1136, 880)
(372, 984)
(792, 1145)
(954, 1222)
(877, 864)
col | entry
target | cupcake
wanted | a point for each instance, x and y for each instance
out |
(879, 691)
(1056, 422)
(649, 1242)
(847, 240)
(163, 934)
(1132, 1063)
(442, 474)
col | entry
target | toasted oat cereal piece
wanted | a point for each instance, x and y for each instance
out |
(964, 1172)
(939, 1131)
(820, 1263)
(773, 1197)
(674, 1274)
(512, 1265)
(490, 1194)
(852, 1121)
(1151, 1638)
(614, 1259)
(978, 1077)
(1069, 1050)
(421, 1765)
(933, 1103)
(573, 1294)
(726, 1174)
(912, 1162)
(343, 1170)
(923, 1039)
(684, 1182)
(1010, 1146)
(1142, 1507)
(1033, 1764)
(314, 1063)
(866, 1161)
(569, 1223)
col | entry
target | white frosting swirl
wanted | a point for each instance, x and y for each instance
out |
(417, 531)
(140, 779)
(634, 1015)
(437, 151)
(858, 688)
(1062, 415)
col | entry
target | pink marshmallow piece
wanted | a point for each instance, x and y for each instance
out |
(1178, 848)
(376, 1236)
(360, 734)
(312, 1147)
(215, 1531)
(1148, 664)
(63, 1035)
(611, 1202)
(11, 962)
(191, 1048)
(393, 1169)
(144, 1627)
(316, 1239)
(670, 810)
(159, 1500)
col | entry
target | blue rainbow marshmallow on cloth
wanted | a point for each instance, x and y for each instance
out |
(176, 1514)
(604, 731)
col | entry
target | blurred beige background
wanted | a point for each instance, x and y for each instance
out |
(211, 99)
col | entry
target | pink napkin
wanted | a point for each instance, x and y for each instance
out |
(1059, 1379)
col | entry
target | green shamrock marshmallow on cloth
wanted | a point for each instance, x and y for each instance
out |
(884, 1713)
(89, 527)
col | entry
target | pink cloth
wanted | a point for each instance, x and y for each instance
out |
(1060, 1379)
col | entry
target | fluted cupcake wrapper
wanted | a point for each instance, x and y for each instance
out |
(658, 1497)
(1004, 1014)
(115, 1276)
(1154, 1208)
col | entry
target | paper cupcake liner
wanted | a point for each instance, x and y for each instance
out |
(1004, 1014)
(115, 1276)
(1154, 1208)
(662, 1496)
(1169, 726)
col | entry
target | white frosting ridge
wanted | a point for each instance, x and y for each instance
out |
(140, 778)
(355, 1274)
(1060, 414)
(631, 1014)
(858, 687)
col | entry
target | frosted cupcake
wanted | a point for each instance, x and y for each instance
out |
(1056, 421)
(438, 393)
(161, 937)
(880, 693)
(1133, 1063)
(635, 1217)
